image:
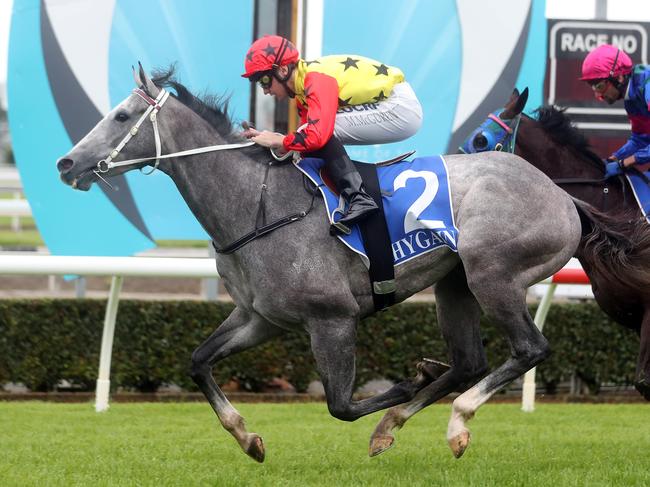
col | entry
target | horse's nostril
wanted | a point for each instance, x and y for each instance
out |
(64, 164)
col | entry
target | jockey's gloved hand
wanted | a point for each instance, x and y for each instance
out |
(249, 131)
(613, 168)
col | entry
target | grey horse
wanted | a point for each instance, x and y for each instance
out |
(515, 229)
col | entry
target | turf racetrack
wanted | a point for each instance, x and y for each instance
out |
(183, 444)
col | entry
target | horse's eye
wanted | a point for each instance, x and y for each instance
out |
(122, 117)
(480, 142)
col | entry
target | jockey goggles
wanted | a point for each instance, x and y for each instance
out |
(600, 86)
(265, 79)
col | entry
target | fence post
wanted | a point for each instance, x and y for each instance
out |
(210, 284)
(103, 380)
(528, 389)
(15, 220)
(80, 287)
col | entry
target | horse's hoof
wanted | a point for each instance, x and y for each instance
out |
(459, 443)
(255, 448)
(644, 388)
(379, 444)
(432, 368)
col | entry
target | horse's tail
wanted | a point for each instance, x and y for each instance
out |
(615, 246)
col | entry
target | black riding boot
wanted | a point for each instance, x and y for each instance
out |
(349, 183)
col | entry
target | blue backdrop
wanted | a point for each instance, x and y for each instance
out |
(460, 65)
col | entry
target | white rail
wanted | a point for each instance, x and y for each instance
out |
(118, 267)
(108, 266)
(15, 207)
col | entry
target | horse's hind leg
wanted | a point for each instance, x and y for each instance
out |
(458, 317)
(240, 331)
(642, 380)
(504, 302)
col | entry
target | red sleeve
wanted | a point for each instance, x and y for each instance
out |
(318, 116)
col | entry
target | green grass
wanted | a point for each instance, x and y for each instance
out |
(24, 238)
(183, 444)
(199, 244)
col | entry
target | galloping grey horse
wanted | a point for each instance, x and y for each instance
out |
(515, 229)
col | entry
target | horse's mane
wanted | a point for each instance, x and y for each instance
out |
(559, 127)
(212, 108)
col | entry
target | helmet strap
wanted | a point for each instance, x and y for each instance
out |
(620, 85)
(283, 80)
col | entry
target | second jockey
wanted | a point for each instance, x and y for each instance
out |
(612, 77)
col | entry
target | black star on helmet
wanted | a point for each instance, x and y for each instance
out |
(344, 103)
(381, 69)
(269, 50)
(307, 63)
(380, 96)
(311, 121)
(350, 63)
(299, 139)
(249, 56)
(307, 91)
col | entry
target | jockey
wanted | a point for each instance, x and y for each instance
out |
(612, 77)
(343, 99)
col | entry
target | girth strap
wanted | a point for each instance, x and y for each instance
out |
(377, 242)
(259, 232)
(260, 219)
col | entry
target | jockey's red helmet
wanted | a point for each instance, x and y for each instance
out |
(606, 61)
(269, 52)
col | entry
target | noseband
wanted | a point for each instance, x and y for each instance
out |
(151, 112)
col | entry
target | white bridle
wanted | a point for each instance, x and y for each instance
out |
(151, 112)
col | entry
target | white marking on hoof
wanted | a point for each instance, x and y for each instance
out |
(459, 443)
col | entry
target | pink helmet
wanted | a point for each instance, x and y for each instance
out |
(605, 61)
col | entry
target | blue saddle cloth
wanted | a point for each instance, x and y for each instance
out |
(641, 192)
(417, 204)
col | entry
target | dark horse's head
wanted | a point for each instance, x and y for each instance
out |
(134, 133)
(550, 132)
(499, 130)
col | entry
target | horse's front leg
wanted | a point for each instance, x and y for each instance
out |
(240, 331)
(333, 346)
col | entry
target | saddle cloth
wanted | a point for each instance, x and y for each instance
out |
(417, 204)
(641, 191)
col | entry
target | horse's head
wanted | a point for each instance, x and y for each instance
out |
(129, 131)
(499, 130)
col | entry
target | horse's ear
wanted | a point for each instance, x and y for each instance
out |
(147, 84)
(521, 101)
(136, 77)
(513, 98)
(515, 105)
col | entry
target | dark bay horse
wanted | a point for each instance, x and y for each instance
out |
(515, 228)
(552, 144)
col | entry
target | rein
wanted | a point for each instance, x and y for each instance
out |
(151, 112)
